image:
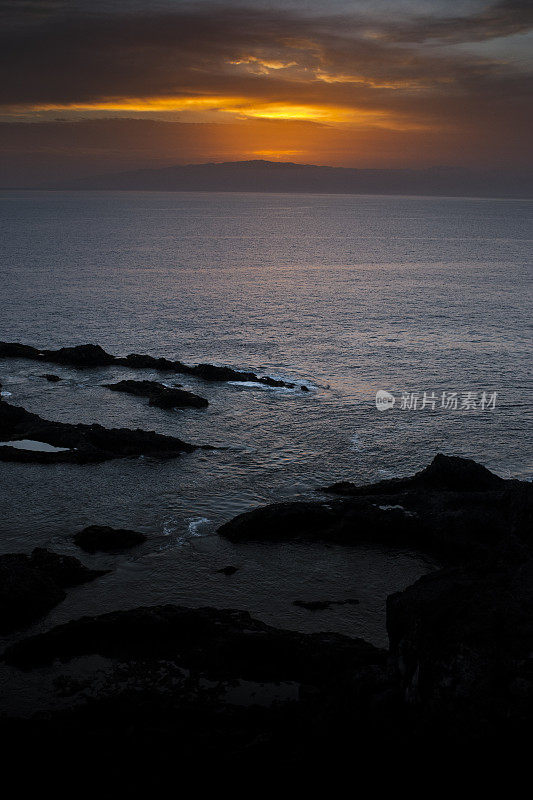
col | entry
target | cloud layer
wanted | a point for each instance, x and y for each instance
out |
(419, 78)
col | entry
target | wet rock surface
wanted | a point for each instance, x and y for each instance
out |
(30, 585)
(84, 443)
(91, 355)
(102, 538)
(159, 394)
(453, 509)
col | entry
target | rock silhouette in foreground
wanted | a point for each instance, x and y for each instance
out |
(452, 509)
(159, 395)
(102, 538)
(220, 685)
(460, 642)
(92, 355)
(220, 688)
(31, 585)
(215, 686)
(83, 443)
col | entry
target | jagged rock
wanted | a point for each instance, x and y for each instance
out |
(84, 443)
(50, 378)
(90, 355)
(31, 585)
(447, 473)
(453, 509)
(103, 538)
(83, 355)
(159, 394)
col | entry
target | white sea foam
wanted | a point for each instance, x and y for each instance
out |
(277, 389)
(173, 526)
(249, 384)
(356, 443)
(398, 508)
(34, 446)
(196, 524)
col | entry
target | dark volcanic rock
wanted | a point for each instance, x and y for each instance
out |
(170, 679)
(16, 350)
(50, 378)
(447, 473)
(214, 686)
(90, 355)
(83, 355)
(322, 605)
(160, 395)
(86, 443)
(461, 642)
(212, 373)
(137, 388)
(221, 643)
(281, 522)
(453, 509)
(31, 585)
(177, 398)
(313, 605)
(103, 538)
(66, 571)
(228, 570)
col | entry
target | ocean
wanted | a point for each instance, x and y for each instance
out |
(345, 295)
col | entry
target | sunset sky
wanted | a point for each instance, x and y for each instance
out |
(108, 84)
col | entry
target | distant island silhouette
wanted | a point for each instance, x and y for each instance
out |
(276, 176)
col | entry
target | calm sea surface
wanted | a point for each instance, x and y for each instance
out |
(343, 294)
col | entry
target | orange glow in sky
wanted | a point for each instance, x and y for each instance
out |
(346, 84)
(215, 108)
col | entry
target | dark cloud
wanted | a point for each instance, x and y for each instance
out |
(84, 59)
(503, 18)
(61, 53)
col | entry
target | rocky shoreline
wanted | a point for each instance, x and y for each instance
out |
(219, 687)
(92, 355)
(78, 443)
(452, 509)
